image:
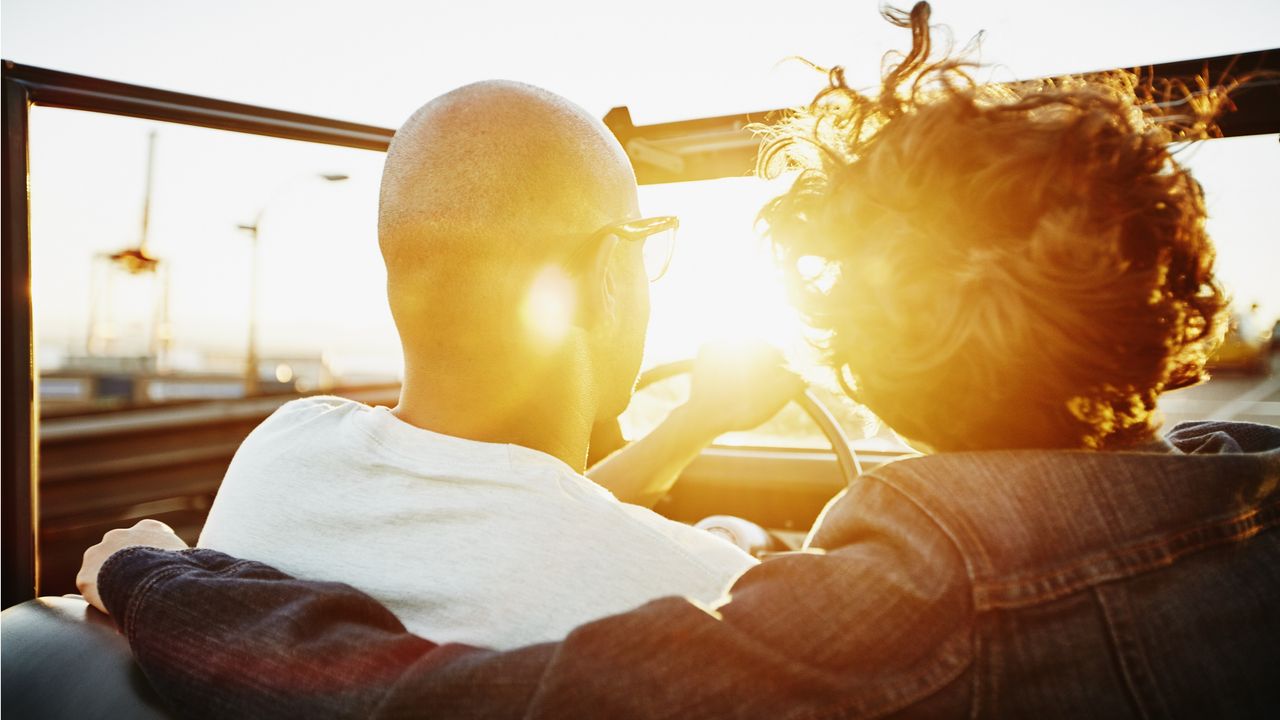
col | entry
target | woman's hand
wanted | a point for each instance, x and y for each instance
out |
(147, 533)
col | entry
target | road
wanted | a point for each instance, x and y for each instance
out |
(1228, 396)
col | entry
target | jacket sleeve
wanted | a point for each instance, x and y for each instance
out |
(870, 627)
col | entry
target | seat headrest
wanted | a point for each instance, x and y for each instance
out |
(60, 658)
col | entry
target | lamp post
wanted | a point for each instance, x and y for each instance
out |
(252, 385)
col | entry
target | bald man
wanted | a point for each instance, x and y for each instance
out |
(510, 227)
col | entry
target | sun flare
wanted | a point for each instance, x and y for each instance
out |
(722, 284)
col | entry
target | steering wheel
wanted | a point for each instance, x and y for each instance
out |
(846, 458)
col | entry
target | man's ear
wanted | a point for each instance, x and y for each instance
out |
(596, 287)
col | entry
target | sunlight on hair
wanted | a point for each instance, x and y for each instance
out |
(548, 307)
(1024, 265)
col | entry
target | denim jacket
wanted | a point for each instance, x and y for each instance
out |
(1016, 584)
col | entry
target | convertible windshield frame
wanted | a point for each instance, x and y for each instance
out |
(723, 146)
(25, 86)
(697, 149)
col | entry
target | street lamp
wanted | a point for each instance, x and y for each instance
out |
(252, 386)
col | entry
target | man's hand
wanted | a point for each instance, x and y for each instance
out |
(147, 533)
(737, 386)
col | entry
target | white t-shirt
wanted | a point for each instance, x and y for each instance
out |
(486, 544)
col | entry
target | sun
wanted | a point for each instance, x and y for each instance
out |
(722, 284)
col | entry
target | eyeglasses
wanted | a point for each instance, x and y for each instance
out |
(658, 234)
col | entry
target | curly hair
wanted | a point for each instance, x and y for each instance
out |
(999, 266)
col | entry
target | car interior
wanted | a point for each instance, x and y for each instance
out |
(110, 418)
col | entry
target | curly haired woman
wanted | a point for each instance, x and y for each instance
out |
(999, 266)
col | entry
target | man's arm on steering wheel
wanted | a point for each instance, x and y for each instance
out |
(734, 387)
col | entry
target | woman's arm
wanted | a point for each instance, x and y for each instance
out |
(804, 635)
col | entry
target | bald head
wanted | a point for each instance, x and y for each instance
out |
(487, 193)
(493, 174)
(483, 188)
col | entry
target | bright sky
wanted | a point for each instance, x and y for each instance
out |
(376, 61)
